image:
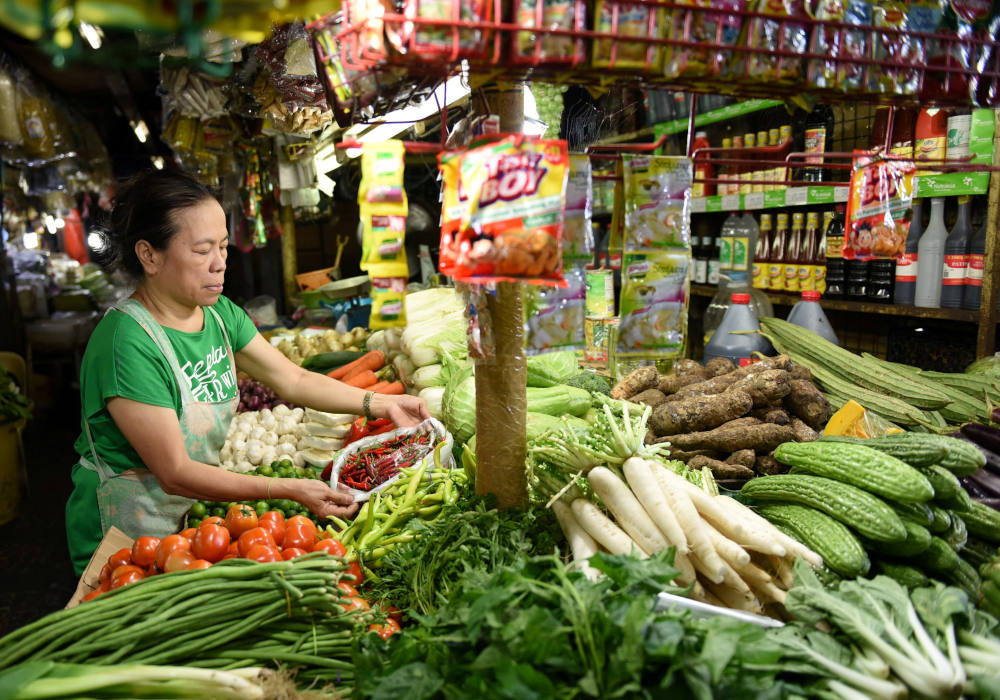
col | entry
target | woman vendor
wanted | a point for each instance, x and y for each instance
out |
(158, 379)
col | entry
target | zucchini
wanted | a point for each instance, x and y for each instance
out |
(945, 484)
(840, 550)
(915, 452)
(982, 521)
(857, 509)
(327, 361)
(859, 466)
(904, 574)
(961, 502)
(939, 557)
(941, 522)
(918, 539)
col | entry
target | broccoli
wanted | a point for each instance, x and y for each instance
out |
(592, 382)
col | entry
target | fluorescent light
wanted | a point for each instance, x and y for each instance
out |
(95, 241)
(157, 162)
(141, 130)
(92, 34)
(918, 330)
(30, 240)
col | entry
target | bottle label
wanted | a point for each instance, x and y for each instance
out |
(835, 247)
(776, 277)
(807, 278)
(954, 269)
(975, 273)
(726, 253)
(746, 183)
(741, 250)
(906, 268)
(930, 148)
(713, 271)
(760, 272)
(700, 271)
(815, 142)
(791, 278)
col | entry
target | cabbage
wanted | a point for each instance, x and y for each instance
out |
(428, 376)
(552, 368)
(433, 395)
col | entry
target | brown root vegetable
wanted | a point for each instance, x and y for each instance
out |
(800, 372)
(803, 433)
(808, 403)
(778, 416)
(718, 366)
(699, 412)
(762, 438)
(686, 457)
(744, 457)
(765, 388)
(684, 368)
(717, 385)
(722, 470)
(650, 397)
(767, 465)
(637, 380)
(671, 383)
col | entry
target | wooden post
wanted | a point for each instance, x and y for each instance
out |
(501, 398)
(289, 260)
(986, 340)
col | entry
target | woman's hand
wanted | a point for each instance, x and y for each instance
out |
(319, 498)
(403, 410)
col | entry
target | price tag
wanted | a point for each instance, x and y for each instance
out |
(697, 205)
(730, 202)
(840, 194)
(796, 196)
(754, 200)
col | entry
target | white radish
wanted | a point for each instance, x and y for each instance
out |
(581, 544)
(769, 592)
(628, 512)
(730, 598)
(783, 570)
(683, 564)
(753, 574)
(603, 529)
(687, 515)
(645, 488)
(792, 546)
(727, 549)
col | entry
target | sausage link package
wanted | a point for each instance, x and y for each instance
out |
(879, 208)
(657, 191)
(654, 302)
(502, 216)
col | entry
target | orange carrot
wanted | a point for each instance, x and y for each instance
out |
(373, 360)
(388, 388)
(362, 379)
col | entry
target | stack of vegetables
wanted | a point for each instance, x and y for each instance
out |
(302, 343)
(371, 373)
(726, 418)
(255, 396)
(984, 485)
(302, 436)
(895, 501)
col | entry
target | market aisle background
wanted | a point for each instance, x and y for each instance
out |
(34, 561)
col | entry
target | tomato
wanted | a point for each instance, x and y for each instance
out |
(302, 519)
(127, 578)
(348, 588)
(106, 575)
(300, 536)
(274, 522)
(385, 630)
(263, 553)
(330, 546)
(144, 550)
(188, 532)
(354, 568)
(93, 594)
(239, 519)
(292, 553)
(169, 544)
(213, 520)
(151, 570)
(394, 613)
(355, 603)
(230, 556)
(120, 558)
(199, 564)
(177, 560)
(257, 535)
(211, 542)
(234, 548)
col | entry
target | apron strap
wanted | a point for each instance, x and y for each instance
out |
(155, 331)
(98, 465)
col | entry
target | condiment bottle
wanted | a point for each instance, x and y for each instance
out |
(793, 253)
(956, 258)
(703, 169)
(977, 255)
(776, 266)
(906, 263)
(930, 258)
(931, 135)
(762, 254)
(807, 255)
(809, 314)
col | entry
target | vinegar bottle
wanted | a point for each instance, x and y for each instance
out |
(930, 258)
(906, 264)
(956, 259)
(776, 266)
(762, 254)
(977, 254)
(793, 253)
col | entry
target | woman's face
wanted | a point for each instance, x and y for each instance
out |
(193, 266)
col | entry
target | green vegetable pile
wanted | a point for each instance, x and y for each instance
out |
(14, 405)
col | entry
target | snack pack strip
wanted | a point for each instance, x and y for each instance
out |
(555, 14)
(634, 19)
(554, 317)
(388, 310)
(698, 25)
(879, 208)
(451, 211)
(382, 166)
(654, 302)
(384, 234)
(657, 192)
(578, 233)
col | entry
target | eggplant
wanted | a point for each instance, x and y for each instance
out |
(993, 503)
(992, 458)
(974, 489)
(983, 435)
(987, 482)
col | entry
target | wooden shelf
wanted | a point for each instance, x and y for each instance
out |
(960, 315)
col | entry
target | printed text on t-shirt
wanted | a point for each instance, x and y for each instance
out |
(208, 380)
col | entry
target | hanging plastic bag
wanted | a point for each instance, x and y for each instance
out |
(388, 310)
(578, 232)
(654, 301)
(554, 317)
(657, 191)
(879, 208)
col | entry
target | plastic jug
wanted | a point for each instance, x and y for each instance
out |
(809, 314)
(728, 341)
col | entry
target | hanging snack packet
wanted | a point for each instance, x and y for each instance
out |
(654, 302)
(382, 166)
(634, 20)
(898, 46)
(657, 191)
(554, 317)
(578, 234)
(455, 43)
(388, 310)
(382, 247)
(511, 194)
(707, 28)
(879, 208)
(774, 32)
(548, 48)
(838, 43)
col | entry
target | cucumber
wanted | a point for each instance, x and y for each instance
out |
(983, 522)
(939, 557)
(965, 577)
(840, 550)
(915, 452)
(918, 539)
(917, 512)
(941, 522)
(978, 552)
(946, 484)
(904, 574)
(327, 361)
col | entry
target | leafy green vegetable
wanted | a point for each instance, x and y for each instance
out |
(14, 405)
(592, 382)
(551, 368)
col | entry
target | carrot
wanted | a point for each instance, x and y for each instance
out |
(388, 388)
(362, 379)
(373, 360)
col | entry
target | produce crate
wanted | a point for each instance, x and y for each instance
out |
(114, 540)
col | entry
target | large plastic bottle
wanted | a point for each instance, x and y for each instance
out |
(956, 258)
(906, 264)
(726, 234)
(809, 314)
(977, 255)
(930, 258)
(730, 342)
(745, 243)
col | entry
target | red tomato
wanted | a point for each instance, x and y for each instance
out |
(167, 545)
(263, 553)
(151, 570)
(239, 519)
(303, 520)
(234, 548)
(127, 578)
(120, 558)
(188, 532)
(211, 542)
(230, 556)
(106, 575)
(300, 536)
(177, 560)
(257, 535)
(144, 550)
(93, 594)
(274, 522)
(292, 553)
(213, 520)
(334, 547)
(348, 588)
(354, 569)
(385, 630)
(199, 564)
(355, 603)
(394, 613)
